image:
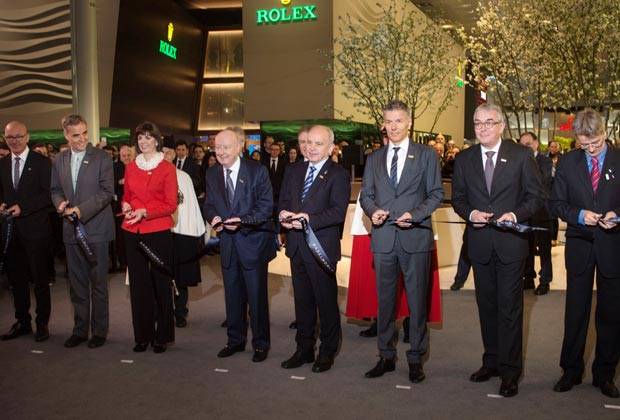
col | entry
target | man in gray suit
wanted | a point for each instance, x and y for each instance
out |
(400, 190)
(83, 185)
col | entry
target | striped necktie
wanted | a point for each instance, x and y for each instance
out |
(230, 188)
(595, 174)
(394, 168)
(308, 183)
(16, 173)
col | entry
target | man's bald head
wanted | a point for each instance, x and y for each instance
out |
(16, 136)
(320, 143)
(227, 148)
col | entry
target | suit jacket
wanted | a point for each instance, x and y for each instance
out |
(516, 187)
(572, 192)
(326, 205)
(32, 195)
(545, 166)
(93, 193)
(419, 192)
(193, 170)
(277, 176)
(253, 199)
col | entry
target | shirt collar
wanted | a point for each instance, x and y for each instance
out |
(492, 149)
(404, 145)
(22, 156)
(318, 165)
(235, 166)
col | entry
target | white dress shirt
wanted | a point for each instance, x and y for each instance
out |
(22, 161)
(495, 149)
(234, 174)
(402, 157)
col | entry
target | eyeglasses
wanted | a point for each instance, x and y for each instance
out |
(486, 124)
(18, 137)
(593, 144)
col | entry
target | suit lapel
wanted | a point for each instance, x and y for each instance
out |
(242, 181)
(409, 169)
(25, 171)
(319, 179)
(476, 162)
(503, 159)
(608, 171)
(83, 165)
(383, 172)
(583, 173)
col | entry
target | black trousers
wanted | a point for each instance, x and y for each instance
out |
(150, 288)
(606, 321)
(499, 295)
(27, 261)
(464, 264)
(540, 241)
(180, 302)
(245, 288)
(315, 288)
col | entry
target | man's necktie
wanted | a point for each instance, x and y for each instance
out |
(16, 173)
(394, 168)
(273, 166)
(595, 174)
(488, 169)
(230, 188)
(308, 183)
(179, 164)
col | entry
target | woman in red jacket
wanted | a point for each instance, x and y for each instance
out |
(149, 200)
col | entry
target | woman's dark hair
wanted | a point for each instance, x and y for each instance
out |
(149, 129)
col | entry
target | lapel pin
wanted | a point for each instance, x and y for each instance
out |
(241, 180)
(321, 176)
(607, 177)
(503, 160)
(85, 162)
(29, 168)
(410, 156)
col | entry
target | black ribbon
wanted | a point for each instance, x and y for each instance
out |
(82, 239)
(7, 234)
(504, 224)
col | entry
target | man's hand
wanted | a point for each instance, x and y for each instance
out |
(480, 218)
(285, 214)
(14, 210)
(379, 217)
(215, 221)
(590, 218)
(232, 227)
(507, 217)
(70, 210)
(135, 216)
(297, 223)
(608, 225)
(62, 206)
(401, 220)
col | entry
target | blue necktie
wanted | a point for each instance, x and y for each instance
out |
(394, 168)
(308, 183)
(230, 188)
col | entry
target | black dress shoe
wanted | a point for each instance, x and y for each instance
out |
(370, 332)
(608, 388)
(259, 355)
(293, 325)
(159, 348)
(566, 383)
(41, 334)
(74, 340)
(181, 322)
(140, 347)
(509, 388)
(224, 324)
(228, 351)
(383, 366)
(483, 374)
(542, 289)
(96, 341)
(322, 364)
(416, 373)
(528, 283)
(457, 285)
(18, 329)
(297, 359)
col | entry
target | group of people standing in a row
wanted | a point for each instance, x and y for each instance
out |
(496, 181)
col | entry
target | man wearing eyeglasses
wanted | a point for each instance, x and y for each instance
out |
(497, 180)
(586, 195)
(25, 196)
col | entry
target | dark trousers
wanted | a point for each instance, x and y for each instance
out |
(416, 275)
(555, 227)
(180, 302)
(89, 290)
(27, 261)
(464, 264)
(606, 321)
(314, 288)
(540, 241)
(499, 294)
(150, 288)
(245, 288)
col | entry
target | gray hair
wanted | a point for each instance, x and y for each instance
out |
(588, 123)
(397, 105)
(239, 133)
(491, 107)
(72, 120)
(330, 132)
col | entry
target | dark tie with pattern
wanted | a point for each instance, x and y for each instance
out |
(273, 166)
(394, 168)
(16, 173)
(488, 169)
(308, 183)
(179, 164)
(230, 188)
(595, 174)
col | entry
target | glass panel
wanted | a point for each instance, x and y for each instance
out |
(221, 106)
(224, 54)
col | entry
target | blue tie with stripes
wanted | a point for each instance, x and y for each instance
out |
(394, 168)
(308, 183)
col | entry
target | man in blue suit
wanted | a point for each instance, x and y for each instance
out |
(238, 190)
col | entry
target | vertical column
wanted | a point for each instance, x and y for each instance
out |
(84, 64)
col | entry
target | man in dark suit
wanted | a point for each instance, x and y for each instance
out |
(318, 191)
(83, 185)
(586, 194)
(540, 241)
(187, 165)
(276, 165)
(25, 195)
(402, 181)
(497, 180)
(240, 189)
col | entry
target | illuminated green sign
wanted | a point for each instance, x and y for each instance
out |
(286, 14)
(166, 48)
